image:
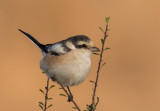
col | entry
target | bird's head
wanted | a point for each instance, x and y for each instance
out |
(81, 43)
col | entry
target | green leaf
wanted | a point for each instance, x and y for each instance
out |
(41, 91)
(46, 88)
(49, 98)
(62, 95)
(101, 29)
(49, 106)
(102, 40)
(94, 106)
(87, 106)
(46, 97)
(103, 64)
(41, 106)
(97, 100)
(52, 86)
(74, 107)
(107, 19)
(95, 53)
(41, 103)
(106, 36)
(92, 81)
(107, 48)
(60, 88)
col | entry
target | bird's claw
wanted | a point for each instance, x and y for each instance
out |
(70, 98)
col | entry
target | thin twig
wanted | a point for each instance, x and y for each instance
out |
(99, 66)
(72, 99)
(46, 95)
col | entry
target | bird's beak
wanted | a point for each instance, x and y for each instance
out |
(95, 49)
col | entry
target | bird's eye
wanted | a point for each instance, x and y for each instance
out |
(84, 45)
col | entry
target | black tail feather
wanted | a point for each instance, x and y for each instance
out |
(41, 46)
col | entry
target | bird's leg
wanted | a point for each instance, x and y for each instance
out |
(70, 97)
(53, 78)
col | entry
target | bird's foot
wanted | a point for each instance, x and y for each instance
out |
(70, 98)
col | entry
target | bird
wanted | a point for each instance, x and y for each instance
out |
(67, 62)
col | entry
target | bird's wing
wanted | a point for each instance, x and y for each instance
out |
(59, 49)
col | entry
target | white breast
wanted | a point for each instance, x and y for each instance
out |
(70, 69)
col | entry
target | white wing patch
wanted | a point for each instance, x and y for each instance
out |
(70, 45)
(58, 48)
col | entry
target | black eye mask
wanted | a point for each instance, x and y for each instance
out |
(81, 46)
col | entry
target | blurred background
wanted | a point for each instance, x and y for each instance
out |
(128, 82)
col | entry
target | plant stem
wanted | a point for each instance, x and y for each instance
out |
(72, 99)
(46, 95)
(99, 66)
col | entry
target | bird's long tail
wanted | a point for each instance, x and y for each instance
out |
(39, 45)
